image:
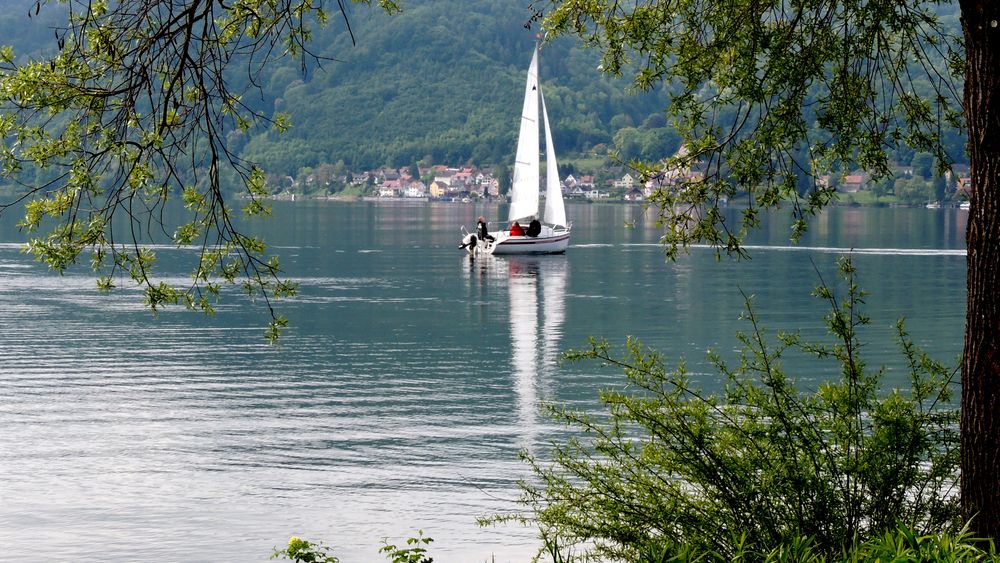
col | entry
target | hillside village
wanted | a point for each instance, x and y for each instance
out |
(450, 183)
(457, 184)
(909, 185)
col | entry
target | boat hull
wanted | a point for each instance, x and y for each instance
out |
(555, 244)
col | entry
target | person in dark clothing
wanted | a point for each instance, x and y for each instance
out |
(534, 228)
(481, 230)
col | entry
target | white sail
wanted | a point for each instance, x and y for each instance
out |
(524, 190)
(555, 211)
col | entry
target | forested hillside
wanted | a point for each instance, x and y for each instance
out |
(440, 82)
(444, 80)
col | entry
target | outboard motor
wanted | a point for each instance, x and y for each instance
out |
(469, 242)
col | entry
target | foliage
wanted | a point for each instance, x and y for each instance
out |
(439, 93)
(899, 545)
(763, 93)
(413, 552)
(452, 96)
(914, 190)
(304, 551)
(904, 544)
(671, 469)
(132, 111)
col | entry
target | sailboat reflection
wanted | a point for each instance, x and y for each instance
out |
(535, 332)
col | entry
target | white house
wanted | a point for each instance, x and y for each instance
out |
(415, 189)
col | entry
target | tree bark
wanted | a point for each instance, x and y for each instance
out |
(980, 432)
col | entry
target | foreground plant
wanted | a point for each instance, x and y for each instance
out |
(415, 550)
(899, 546)
(304, 551)
(673, 471)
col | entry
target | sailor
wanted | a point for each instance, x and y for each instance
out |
(516, 230)
(534, 228)
(481, 230)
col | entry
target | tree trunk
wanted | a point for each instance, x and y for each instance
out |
(980, 481)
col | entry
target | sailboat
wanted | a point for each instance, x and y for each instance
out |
(551, 234)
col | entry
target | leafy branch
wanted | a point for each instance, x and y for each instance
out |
(769, 96)
(132, 110)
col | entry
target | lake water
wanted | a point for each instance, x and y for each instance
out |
(407, 383)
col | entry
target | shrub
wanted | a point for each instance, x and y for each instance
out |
(672, 473)
(304, 551)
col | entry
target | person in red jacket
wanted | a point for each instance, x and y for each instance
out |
(516, 230)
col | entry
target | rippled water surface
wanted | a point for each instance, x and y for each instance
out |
(408, 381)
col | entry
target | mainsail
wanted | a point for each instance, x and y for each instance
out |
(524, 191)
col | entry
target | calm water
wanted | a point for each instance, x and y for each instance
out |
(408, 381)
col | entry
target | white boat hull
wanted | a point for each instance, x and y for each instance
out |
(542, 244)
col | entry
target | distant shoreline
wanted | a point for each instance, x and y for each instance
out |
(738, 203)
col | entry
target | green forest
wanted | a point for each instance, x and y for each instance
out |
(443, 82)
(440, 82)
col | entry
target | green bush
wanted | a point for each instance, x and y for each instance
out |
(413, 552)
(761, 470)
(906, 545)
(304, 551)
